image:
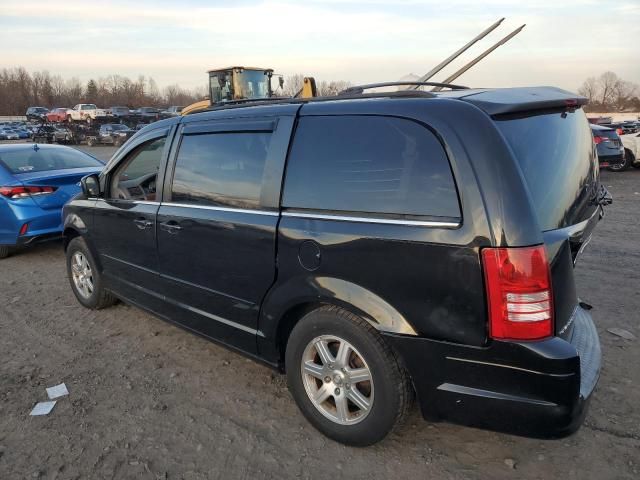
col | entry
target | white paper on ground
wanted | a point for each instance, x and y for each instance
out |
(43, 408)
(57, 391)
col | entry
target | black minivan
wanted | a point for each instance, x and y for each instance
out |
(376, 247)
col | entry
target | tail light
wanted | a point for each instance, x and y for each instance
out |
(15, 193)
(518, 284)
(598, 140)
(619, 131)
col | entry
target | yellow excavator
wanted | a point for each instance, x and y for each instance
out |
(232, 84)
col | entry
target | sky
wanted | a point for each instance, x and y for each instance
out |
(361, 41)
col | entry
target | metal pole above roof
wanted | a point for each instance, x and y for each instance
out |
(456, 54)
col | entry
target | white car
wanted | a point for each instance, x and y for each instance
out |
(631, 144)
(85, 112)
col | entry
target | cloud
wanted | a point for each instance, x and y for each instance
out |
(356, 40)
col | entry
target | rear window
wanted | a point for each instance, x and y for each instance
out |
(556, 155)
(369, 164)
(606, 133)
(44, 159)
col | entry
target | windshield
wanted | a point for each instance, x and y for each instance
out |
(253, 84)
(249, 84)
(120, 127)
(557, 158)
(44, 159)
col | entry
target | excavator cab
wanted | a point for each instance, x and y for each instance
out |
(240, 83)
(237, 83)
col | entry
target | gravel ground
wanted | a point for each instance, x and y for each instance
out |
(149, 400)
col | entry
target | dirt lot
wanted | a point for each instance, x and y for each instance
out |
(149, 400)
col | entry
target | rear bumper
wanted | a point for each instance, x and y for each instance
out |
(607, 160)
(539, 389)
(42, 224)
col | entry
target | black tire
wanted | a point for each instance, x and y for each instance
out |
(392, 386)
(627, 160)
(5, 251)
(99, 297)
(633, 161)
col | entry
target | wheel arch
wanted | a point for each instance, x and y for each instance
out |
(287, 304)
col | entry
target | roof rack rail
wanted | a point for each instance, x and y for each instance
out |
(341, 96)
(359, 89)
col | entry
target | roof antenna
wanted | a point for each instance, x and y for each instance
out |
(456, 54)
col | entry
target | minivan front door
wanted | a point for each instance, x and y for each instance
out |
(125, 222)
(217, 226)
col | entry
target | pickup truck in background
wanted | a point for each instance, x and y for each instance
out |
(85, 112)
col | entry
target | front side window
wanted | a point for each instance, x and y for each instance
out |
(136, 178)
(369, 164)
(221, 169)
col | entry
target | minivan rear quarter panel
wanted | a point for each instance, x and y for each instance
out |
(430, 275)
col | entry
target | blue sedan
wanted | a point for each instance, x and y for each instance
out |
(35, 182)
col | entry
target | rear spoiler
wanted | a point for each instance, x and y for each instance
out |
(504, 101)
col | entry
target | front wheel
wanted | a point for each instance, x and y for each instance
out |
(346, 381)
(84, 277)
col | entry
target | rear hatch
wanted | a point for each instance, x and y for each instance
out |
(556, 154)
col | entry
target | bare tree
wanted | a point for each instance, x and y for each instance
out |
(589, 89)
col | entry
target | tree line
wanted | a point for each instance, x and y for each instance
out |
(610, 93)
(20, 89)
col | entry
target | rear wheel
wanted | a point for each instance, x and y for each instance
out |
(4, 251)
(627, 160)
(346, 381)
(84, 277)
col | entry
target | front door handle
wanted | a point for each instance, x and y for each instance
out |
(170, 226)
(143, 223)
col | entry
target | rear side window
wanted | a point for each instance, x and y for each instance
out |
(369, 164)
(221, 169)
(556, 155)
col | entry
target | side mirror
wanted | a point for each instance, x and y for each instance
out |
(91, 186)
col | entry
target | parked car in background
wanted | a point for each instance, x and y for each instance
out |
(8, 133)
(366, 248)
(173, 111)
(57, 115)
(631, 145)
(147, 114)
(85, 112)
(36, 113)
(609, 148)
(120, 112)
(621, 128)
(111, 134)
(35, 182)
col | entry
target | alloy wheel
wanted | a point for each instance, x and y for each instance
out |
(82, 275)
(337, 380)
